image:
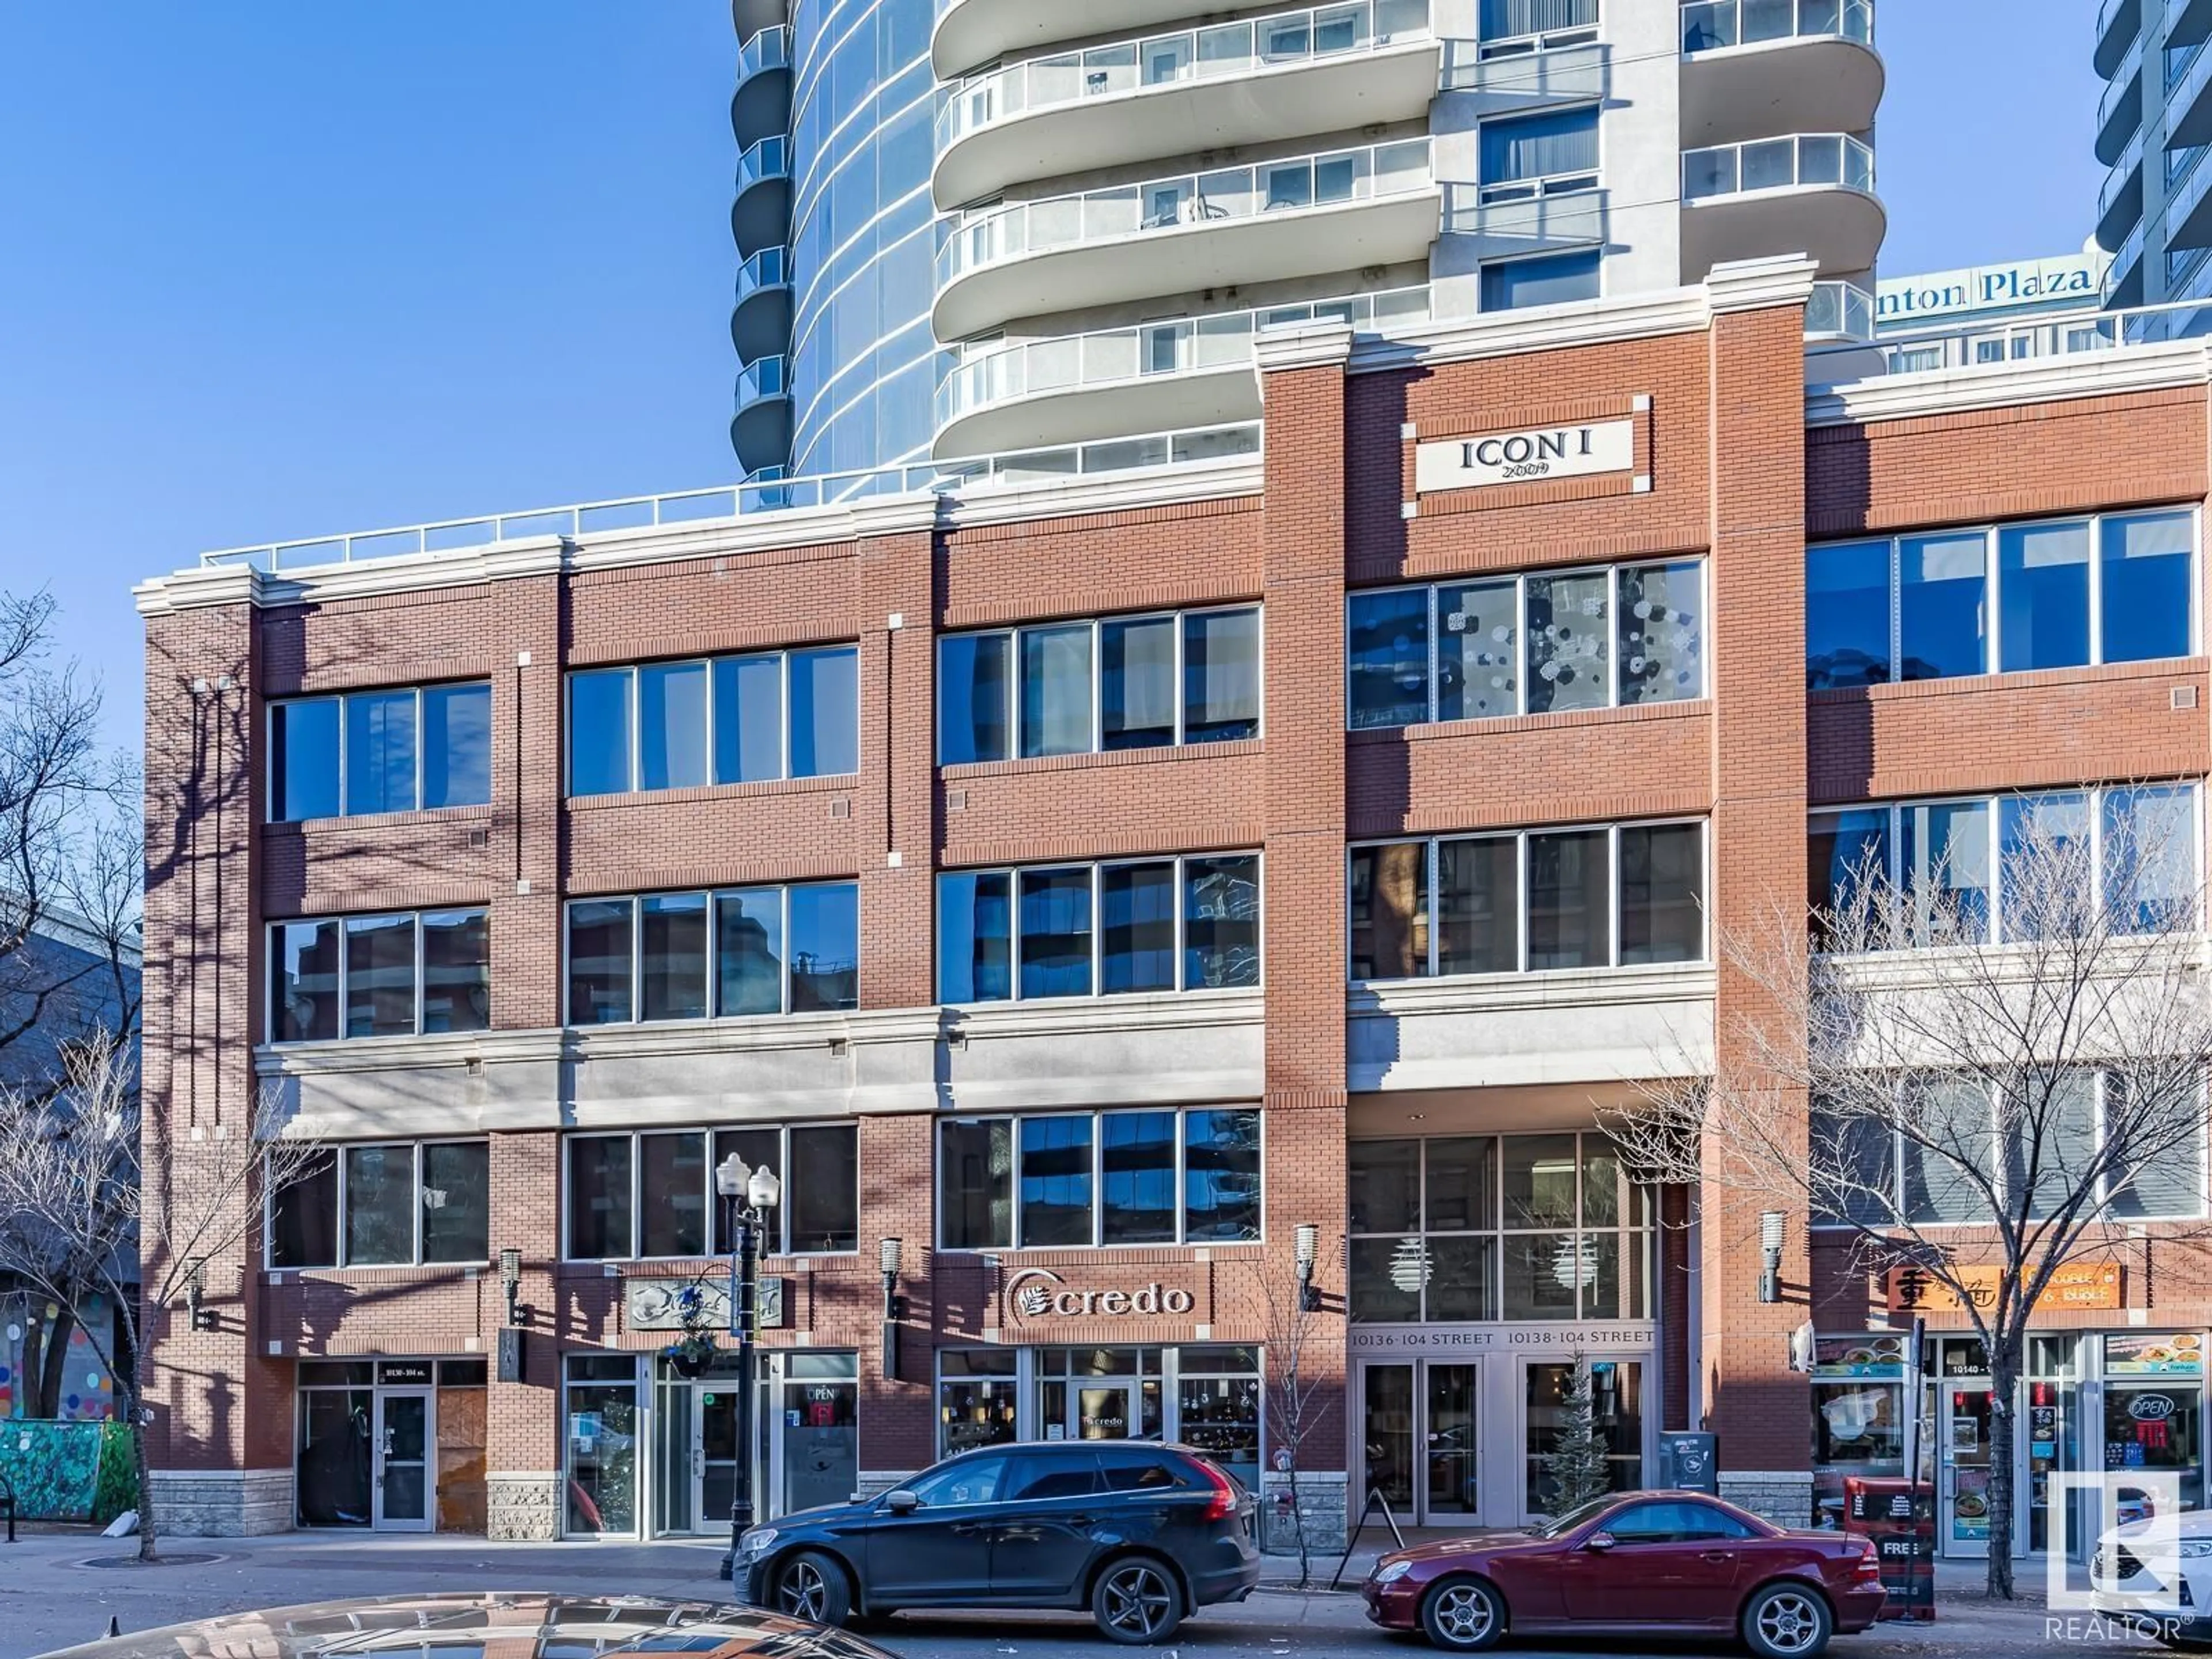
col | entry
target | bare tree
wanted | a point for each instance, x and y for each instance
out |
(77, 1216)
(1290, 1390)
(1976, 1082)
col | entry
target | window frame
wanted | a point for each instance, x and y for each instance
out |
(1483, 267)
(270, 958)
(271, 793)
(1535, 41)
(1180, 861)
(1992, 533)
(1520, 578)
(1096, 1118)
(1520, 837)
(2094, 798)
(340, 1153)
(1493, 193)
(632, 718)
(1011, 712)
(2109, 1186)
(782, 889)
(782, 1130)
(1499, 1234)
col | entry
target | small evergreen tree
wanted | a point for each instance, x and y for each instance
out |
(1576, 1468)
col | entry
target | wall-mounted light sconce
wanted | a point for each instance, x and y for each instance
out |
(510, 1281)
(1772, 1230)
(889, 1255)
(1307, 1245)
(202, 1319)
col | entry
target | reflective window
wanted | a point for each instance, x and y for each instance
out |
(653, 1194)
(382, 975)
(1075, 688)
(1528, 902)
(1486, 1227)
(1541, 643)
(1555, 279)
(1555, 148)
(699, 956)
(380, 751)
(1076, 1179)
(2056, 594)
(1072, 930)
(385, 1204)
(730, 720)
(2135, 852)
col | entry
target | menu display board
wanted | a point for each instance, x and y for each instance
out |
(2155, 1355)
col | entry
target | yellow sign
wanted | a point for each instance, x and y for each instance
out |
(2088, 1285)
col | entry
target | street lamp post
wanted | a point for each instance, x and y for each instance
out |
(747, 1196)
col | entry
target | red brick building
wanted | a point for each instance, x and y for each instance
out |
(1088, 883)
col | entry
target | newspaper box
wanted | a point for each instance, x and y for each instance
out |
(1899, 1517)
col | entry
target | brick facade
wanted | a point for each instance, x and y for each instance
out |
(1736, 477)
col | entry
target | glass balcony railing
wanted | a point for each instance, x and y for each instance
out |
(1709, 24)
(2122, 84)
(763, 379)
(1839, 311)
(2181, 102)
(1964, 345)
(769, 159)
(769, 268)
(1222, 340)
(2104, 13)
(1801, 161)
(2125, 258)
(2181, 204)
(2122, 171)
(1282, 41)
(986, 237)
(765, 50)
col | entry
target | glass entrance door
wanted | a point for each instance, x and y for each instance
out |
(1421, 1438)
(402, 1461)
(1962, 1432)
(715, 1454)
(1103, 1410)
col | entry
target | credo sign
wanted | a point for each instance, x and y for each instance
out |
(1536, 455)
(1041, 1293)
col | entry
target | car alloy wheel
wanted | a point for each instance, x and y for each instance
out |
(803, 1592)
(1462, 1615)
(1136, 1602)
(1790, 1621)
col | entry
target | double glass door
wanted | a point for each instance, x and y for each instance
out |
(807, 1428)
(1420, 1437)
(402, 1445)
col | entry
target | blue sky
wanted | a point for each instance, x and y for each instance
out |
(277, 268)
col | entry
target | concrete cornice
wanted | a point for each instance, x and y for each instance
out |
(1539, 328)
(1301, 345)
(229, 584)
(2004, 385)
(1759, 284)
(1576, 988)
(1206, 481)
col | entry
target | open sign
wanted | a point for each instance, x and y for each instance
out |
(2151, 1407)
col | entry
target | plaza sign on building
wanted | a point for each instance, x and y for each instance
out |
(2073, 282)
(1538, 455)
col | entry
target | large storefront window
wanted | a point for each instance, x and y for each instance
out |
(652, 1195)
(599, 1418)
(1858, 1416)
(1206, 1397)
(1475, 1228)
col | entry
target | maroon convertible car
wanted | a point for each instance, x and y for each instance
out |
(1637, 1563)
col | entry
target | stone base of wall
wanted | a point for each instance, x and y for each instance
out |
(873, 1483)
(219, 1503)
(522, 1508)
(1321, 1501)
(1783, 1496)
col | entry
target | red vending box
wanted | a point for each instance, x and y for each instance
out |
(1899, 1516)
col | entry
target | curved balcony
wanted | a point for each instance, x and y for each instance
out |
(1259, 80)
(972, 31)
(2120, 198)
(2124, 282)
(2189, 106)
(761, 106)
(1811, 194)
(1754, 68)
(2187, 22)
(2118, 23)
(761, 430)
(760, 325)
(1838, 312)
(760, 217)
(2120, 107)
(2189, 210)
(1192, 371)
(749, 17)
(1302, 216)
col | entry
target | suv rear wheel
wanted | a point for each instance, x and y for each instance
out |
(1136, 1600)
(812, 1587)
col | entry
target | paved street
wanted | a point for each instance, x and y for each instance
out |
(51, 1596)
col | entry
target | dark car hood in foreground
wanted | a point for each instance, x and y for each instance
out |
(418, 1625)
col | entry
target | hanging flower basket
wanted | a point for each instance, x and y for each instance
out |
(691, 1357)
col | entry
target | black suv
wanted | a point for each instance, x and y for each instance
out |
(1141, 1534)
